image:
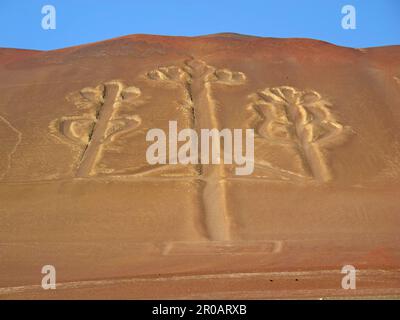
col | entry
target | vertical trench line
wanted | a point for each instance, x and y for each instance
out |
(187, 88)
(297, 136)
(309, 150)
(14, 149)
(90, 157)
(200, 223)
(213, 195)
(217, 182)
(317, 162)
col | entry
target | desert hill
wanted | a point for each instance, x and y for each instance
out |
(77, 192)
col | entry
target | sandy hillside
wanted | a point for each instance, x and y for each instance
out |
(77, 192)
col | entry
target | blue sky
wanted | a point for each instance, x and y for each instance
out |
(83, 21)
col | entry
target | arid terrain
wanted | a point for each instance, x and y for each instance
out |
(77, 192)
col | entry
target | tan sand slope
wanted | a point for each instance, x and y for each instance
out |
(77, 192)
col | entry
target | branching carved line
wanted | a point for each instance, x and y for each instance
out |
(195, 78)
(300, 118)
(100, 124)
(14, 149)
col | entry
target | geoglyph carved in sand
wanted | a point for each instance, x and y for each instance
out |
(9, 156)
(99, 124)
(288, 116)
(196, 78)
(285, 116)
